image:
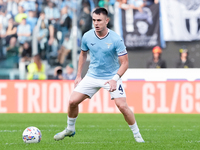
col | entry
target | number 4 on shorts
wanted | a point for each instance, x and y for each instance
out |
(120, 88)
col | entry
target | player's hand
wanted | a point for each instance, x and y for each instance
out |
(77, 80)
(113, 85)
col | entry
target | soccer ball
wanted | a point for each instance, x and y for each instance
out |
(32, 135)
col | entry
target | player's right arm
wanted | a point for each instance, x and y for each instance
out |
(82, 60)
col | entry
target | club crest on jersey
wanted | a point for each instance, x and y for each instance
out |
(109, 44)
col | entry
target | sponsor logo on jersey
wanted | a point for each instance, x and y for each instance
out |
(108, 44)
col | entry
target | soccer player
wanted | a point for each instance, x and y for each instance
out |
(106, 49)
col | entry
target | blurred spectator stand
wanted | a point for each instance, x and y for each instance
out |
(156, 61)
(85, 20)
(11, 58)
(52, 13)
(64, 24)
(28, 5)
(12, 7)
(70, 73)
(184, 61)
(31, 19)
(36, 69)
(42, 38)
(58, 73)
(26, 52)
(11, 31)
(23, 32)
(64, 53)
(150, 2)
(21, 15)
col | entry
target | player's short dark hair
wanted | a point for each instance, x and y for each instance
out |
(101, 10)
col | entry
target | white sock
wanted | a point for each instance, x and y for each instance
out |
(134, 128)
(71, 123)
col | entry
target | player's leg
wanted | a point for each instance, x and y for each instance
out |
(119, 96)
(129, 117)
(85, 89)
(125, 110)
(75, 99)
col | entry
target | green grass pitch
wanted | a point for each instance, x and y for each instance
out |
(103, 132)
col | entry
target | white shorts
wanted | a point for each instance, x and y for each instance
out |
(89, 86)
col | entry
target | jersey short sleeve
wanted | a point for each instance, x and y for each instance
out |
(120, 47)
(84, 46)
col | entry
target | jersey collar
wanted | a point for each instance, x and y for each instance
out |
(102, 37)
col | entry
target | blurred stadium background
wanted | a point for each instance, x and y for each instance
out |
(54, 28)
(173, 31)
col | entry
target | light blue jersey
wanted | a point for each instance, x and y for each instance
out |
(104, 53)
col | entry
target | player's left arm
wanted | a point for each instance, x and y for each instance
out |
(122, 69)
(123, 64)
(122, 56)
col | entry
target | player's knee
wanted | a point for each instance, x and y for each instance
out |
(122, 107)
(73, 103)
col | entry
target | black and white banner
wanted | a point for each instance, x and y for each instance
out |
(141, 29)
(181, 19)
